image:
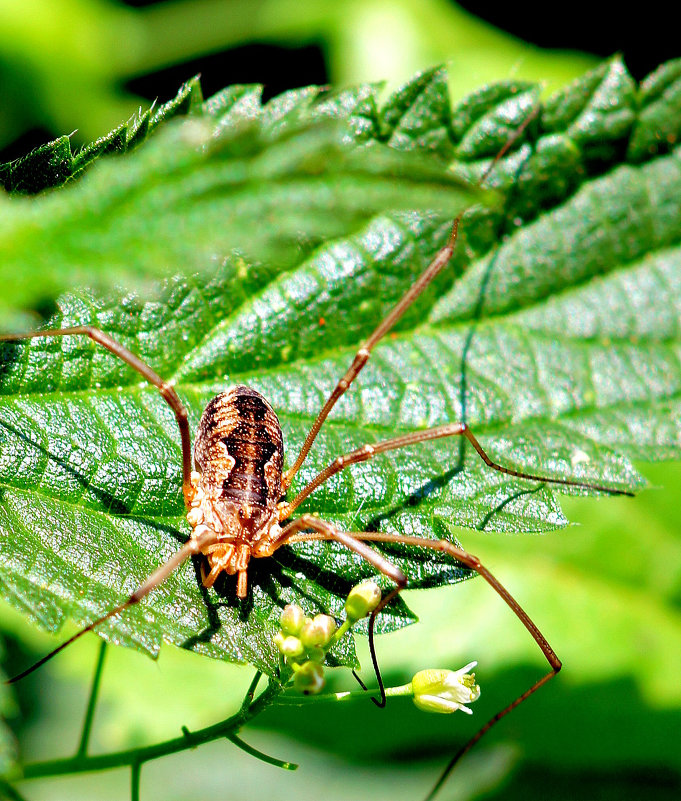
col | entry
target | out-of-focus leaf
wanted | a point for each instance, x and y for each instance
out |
(54, 163)
(272, 181)
(8, 746)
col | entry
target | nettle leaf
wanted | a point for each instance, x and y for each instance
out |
(273, 181)
(55, 163)
(554, 333)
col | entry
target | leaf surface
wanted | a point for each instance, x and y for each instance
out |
(554, 333)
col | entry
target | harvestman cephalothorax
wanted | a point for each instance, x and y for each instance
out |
(236, 498)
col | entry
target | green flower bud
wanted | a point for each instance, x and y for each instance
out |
(309, 678)
(316, 654)
(292, 619)
(317, 633)
(289, 646)
(362, 600)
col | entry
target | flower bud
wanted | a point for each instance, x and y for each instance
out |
(318, 631)
(362, 600)
(445, 690)
(309, 678)
(289, 646)
(316, 654)
(292, 619)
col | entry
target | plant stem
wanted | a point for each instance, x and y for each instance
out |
(250, 692)
(279, 763)
(92, 701)
(135, 772)
(82, 763)
(348, 695)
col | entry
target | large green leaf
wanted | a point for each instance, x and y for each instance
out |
(558, 345)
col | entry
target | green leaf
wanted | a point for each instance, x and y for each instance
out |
(554, 334)
(54, 163)
(658, 126)
(273, 181)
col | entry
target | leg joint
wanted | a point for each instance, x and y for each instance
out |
(400, 578)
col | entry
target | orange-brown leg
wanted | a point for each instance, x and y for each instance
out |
(294, 532)
(440, 261)
(367, 452)
(474, 563)
(192, 547)
(166, 390)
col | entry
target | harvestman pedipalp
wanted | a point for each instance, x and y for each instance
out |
(236, 503)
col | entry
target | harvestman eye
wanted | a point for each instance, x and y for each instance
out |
(236, 498)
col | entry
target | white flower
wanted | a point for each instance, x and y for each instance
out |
(445, 691)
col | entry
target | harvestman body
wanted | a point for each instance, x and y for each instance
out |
(236, 502)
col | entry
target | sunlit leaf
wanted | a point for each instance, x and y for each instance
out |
(558, 345)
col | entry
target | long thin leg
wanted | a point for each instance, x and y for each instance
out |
(367, 452)
(294, 532)
(325, 531)
(192, 547)
(474, 563)
(166, 390)
(422, 282)
(484, 729)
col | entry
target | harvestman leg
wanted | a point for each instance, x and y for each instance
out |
(431, 272)
(294, 532)
(356, 542)
(367, 452)
(192, 546)
(166, 390)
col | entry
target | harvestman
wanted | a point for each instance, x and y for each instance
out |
(236, 503)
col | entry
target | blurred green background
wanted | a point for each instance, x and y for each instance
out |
(86, 65)
(606, 593)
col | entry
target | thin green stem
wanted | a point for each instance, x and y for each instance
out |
(348, 695)
(342, 630)
(259, 754)
(138, 756)
(250, 692)
(135, 775)
(92, 702)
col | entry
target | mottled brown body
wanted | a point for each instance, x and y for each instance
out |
(238, 454)
(238, 451)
